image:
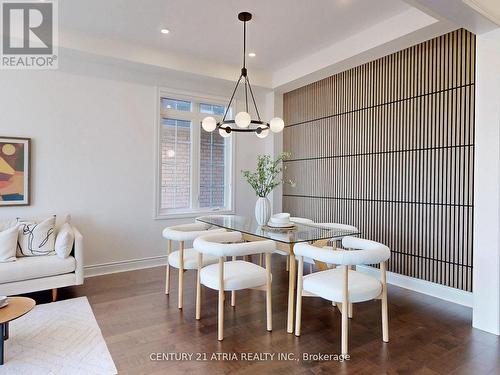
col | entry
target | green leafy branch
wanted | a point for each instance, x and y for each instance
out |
(268, 174)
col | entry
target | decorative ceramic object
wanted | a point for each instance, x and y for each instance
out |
(263, 181)
(262, 210)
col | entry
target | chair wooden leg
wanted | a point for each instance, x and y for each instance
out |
(385, 318)
(220, 332)
(167, 273)
(287, 263)
(181, 275)
(54, 295)
(198, 287)
(269, 291)
(345, 307)
(233, 293)
(260, 259)
(298, 314)
(349, 309)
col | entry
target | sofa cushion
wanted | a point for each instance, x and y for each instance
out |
(6, 224)
(36, 238)
(64, 241)
(35, 267)
(8, 242)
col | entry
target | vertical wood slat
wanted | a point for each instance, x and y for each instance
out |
(388, 146)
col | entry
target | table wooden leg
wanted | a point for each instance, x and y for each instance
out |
(291, 290)
(3, 329)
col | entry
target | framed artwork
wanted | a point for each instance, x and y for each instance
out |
(14, 171)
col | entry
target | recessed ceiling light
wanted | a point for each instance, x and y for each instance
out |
(164, 31)
(252, 54)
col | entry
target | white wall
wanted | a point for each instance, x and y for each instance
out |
(486, 268)
(92, 127)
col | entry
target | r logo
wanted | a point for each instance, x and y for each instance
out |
(29, 34)
(27, 28)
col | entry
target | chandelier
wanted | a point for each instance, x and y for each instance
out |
(243, 120)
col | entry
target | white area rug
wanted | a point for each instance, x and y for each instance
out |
(57, 338)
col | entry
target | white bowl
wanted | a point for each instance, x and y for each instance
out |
(282, 218)
(280, 225)
(4, 301)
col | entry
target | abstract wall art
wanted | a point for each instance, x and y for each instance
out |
(14, 171)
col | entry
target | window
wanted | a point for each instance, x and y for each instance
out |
(178, 105)
(212, 109)
(194, 166)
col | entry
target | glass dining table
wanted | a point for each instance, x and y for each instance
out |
(316, 234)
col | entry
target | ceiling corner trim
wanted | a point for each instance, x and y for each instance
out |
(132, 53)
(384, 32)
(486, 9)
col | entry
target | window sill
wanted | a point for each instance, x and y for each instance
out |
(191, 214)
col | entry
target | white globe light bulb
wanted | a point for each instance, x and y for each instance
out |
(209, 124)
(264, 132)
(223, 132)
(276, 125)
(242, 119)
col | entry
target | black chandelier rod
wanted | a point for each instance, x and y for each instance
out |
(245, 18)
(247, 80)
(231, 100)
(244, 44)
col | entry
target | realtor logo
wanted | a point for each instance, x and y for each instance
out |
(29, 35)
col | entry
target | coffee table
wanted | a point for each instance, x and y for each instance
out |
(17, 307)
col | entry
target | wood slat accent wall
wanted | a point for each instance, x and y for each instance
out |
(388, 146)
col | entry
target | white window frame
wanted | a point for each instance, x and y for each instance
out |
(195, 99)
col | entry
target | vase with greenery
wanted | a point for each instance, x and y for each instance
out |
(264, 180)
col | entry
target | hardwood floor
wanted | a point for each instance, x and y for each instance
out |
(427, 335)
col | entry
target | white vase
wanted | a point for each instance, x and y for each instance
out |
(262, 211)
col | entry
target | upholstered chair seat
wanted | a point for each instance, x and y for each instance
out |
(329, 285)
(232, 275)
(185, 259)
(238, 275)
(343, 285)
(190, 259)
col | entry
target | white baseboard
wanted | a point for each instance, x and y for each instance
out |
(422, 286)
(126, 265)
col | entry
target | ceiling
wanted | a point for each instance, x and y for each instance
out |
(282, 31)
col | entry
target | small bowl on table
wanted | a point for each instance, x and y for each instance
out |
(4, 301)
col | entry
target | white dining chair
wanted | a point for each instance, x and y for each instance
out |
(342, 285)
(235, 274)
(184, 259)
(301, 220)
(346, 227)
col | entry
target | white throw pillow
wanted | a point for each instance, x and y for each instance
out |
(36, 238)
(64, 241)
(6, 224)
(8, 242)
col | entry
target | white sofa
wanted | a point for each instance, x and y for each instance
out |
(31, 274)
